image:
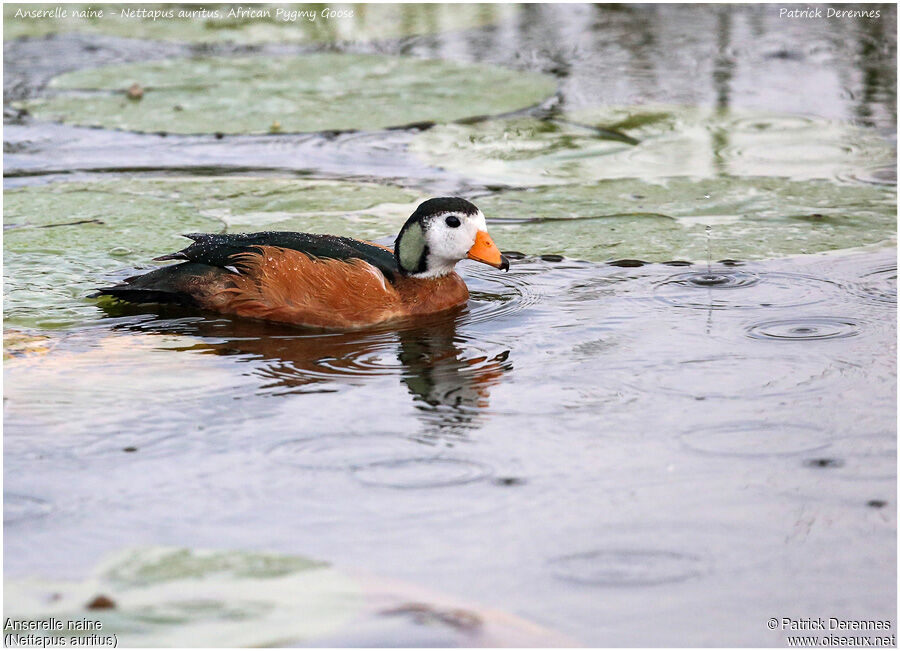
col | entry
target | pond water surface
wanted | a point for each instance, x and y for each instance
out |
(625, 444)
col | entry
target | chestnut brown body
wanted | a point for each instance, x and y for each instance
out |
(325, 281)
(290, 287)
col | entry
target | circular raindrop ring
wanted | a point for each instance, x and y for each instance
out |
(628, 567)
(805, 329)
(421, 472)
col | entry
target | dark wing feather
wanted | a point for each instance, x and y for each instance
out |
(218, 249)
(189, 284)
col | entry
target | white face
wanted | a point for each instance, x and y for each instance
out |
(448, 244)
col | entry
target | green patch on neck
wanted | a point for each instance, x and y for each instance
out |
(411, 247)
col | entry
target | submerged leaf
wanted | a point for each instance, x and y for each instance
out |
(748, 218)
(665, 141)
(314, 92)
(162, 596)
(158, 566)
(213, 597)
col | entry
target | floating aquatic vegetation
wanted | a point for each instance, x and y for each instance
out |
(263, 23)
(21, 344)
(309, 93)
(666, 219)
(158, 596)
(161, 595)
(64, 239)
(656, 141)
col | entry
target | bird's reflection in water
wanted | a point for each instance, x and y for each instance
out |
(448, 376)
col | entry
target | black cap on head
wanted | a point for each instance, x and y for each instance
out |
(443, 204)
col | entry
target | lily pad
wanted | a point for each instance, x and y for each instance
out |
(167, 597)
(160, 596)
(64, 239)
(264, 24)
(656, 142)
(315, 92)
(747, 218)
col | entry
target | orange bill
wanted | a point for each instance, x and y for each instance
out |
(484, 250)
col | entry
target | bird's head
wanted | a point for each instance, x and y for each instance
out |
(440, 233)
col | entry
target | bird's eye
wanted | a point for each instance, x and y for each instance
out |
(452, 221)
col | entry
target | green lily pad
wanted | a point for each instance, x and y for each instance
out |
(64, 239)
(162, 566)
(748, 218)
(656, 142)
(169, 597)
(315, 92)
(160, 596)
(225, 22)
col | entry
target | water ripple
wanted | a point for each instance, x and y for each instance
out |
(343, 452)
(495, 297)
(876, 175)
(706, 290)
(784, 145)
(755, 439)
(738, 377)
(628, 567)
(719, 280)
(376, 357)
(422, 472)
(878, 285)
(19, 508)
(381, 460)
(805, 329)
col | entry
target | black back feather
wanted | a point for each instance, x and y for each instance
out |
(217, 249)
